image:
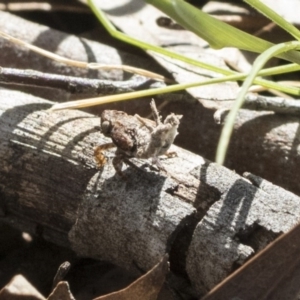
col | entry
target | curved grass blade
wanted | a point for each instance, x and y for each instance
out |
(275, 17)
(140, 44)
(258, 64)
(125, 38)
(218, 33)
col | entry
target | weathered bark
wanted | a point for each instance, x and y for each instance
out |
(50, 186)
(272, 274)
(263, 143)
(68, 46)
(245, 219)
(273, 156)
(63, 44)
(71, 84)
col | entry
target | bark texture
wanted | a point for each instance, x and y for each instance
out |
(248, 216)
(263, 143)
(51, 187)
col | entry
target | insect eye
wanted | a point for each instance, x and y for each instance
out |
(105, 127)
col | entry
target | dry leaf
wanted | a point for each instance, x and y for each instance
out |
(19, 288)
(273, 274)
(62, 292)
(146, 287)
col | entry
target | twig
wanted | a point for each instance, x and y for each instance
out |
(71, 84)
(276, 104)
(260, 103)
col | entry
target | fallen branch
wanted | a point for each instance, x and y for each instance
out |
(272, 274)
(71, 84)
(263, 143)
(51, 186)
(262, 103)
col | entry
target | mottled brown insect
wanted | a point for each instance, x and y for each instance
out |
(135, 136)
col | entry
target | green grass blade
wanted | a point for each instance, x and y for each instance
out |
(140, 44)
(168, 89)
(217, 33)
(275, 17)
(280, 70)
(258, 64)
(123, 37)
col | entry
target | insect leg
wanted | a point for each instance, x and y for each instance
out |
(99, 156)
(118, 163)
(155, 113)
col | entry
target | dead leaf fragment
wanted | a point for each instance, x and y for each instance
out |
(272, 274)
(62, 291)
(147, 287)
(19, 288)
